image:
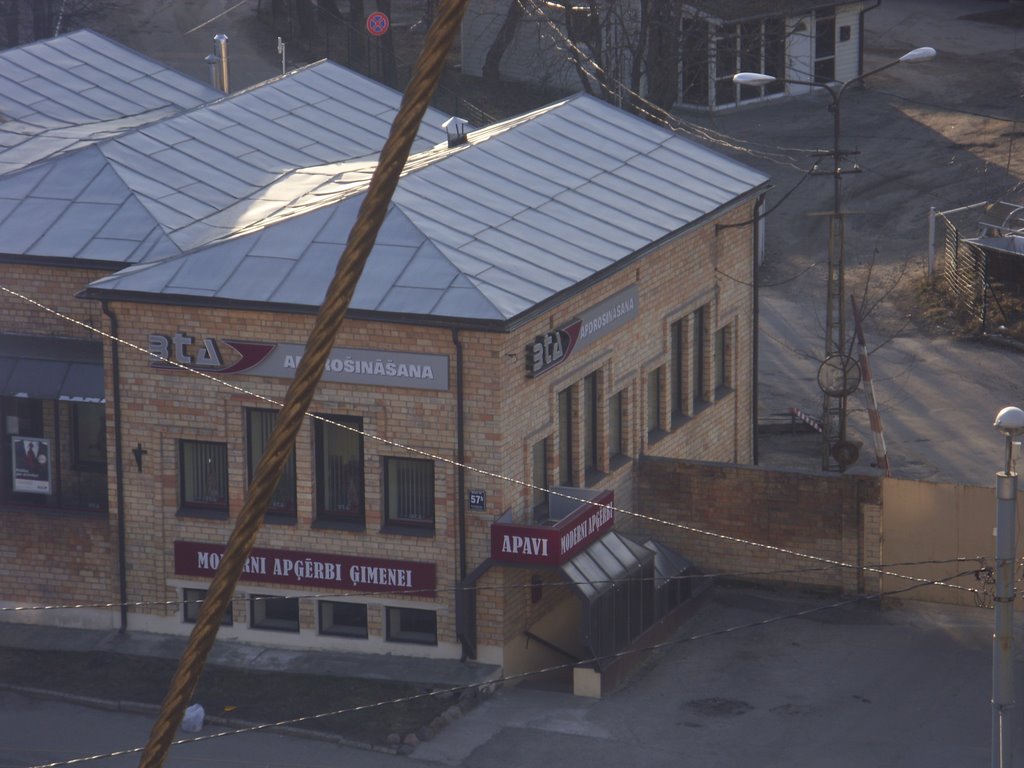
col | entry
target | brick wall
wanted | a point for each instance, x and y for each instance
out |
(834, 517)
(50, 557)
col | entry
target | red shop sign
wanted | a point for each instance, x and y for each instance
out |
(554, 544)
(312, 569)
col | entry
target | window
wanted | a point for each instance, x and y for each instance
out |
(203, 471)
(723, 355)
(412, 625)
(700, 371)
(566, 473)
(343, 619)
(825, 45)
(409, 492)
(89, 433)
(192, 599)
(338, 466)
(277, 613)
(750, 46)
(616, 418)
(654, 404)
(539, 479)
(259, 425)
(694, 55)
(53, 454)
(590, 444)
(677, 341)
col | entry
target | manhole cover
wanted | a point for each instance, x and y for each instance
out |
(719, 707)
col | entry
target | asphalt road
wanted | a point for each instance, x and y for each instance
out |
(941, 133)
(757, 678)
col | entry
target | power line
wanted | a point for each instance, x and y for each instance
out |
(980, 559)
(711, 634)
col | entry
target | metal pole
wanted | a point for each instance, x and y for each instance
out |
(1009, 421)
(1002, 639)
(931, 241)
(222, 50)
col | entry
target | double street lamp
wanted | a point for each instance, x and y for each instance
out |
(839, 375)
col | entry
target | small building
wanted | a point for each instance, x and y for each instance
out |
(547, 300)
(616, 46)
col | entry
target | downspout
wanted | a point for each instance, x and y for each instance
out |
(115, 371)
(460, 431)
(756, 242)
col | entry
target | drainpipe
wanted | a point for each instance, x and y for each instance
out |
(122, 565)
(460, 429)
(758, 217)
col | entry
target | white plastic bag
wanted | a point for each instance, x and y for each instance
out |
(192, 722)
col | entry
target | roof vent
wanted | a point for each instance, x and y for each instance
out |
(455, 127)
(222, 51)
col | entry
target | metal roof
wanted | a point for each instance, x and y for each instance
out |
(194, 178)
(528, 208)
(737, 10)
(66, 92)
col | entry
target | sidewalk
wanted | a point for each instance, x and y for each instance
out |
(228, 653)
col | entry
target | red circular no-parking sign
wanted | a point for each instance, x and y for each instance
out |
(377, 23)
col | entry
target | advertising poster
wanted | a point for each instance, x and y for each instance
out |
(31, 456)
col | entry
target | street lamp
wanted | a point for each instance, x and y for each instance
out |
(1010, 422)
(839, 375)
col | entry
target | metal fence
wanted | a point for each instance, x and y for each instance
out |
(964, 271)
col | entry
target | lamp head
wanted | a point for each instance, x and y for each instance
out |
(752, 78)
(918, 54)
(1010, 421)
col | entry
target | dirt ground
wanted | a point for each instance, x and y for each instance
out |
(236, 697)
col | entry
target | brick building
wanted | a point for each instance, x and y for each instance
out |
(548, 300)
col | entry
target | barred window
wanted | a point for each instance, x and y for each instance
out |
(338, 465)
(409, 491)
(203, 475)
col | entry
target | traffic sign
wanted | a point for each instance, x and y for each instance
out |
(377, 23)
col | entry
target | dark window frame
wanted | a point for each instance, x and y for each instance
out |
(593, 466)
(392, 521)
(359, 630)
(285, 495)
(329, 484)
(190, 597)
(186, 502)
(566, 454)
(397, 634)
(539, 478)
(261, 605)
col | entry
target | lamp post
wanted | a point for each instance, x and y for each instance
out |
(839, 375)
(1010, 422)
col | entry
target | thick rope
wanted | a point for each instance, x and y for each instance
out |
(300, 394)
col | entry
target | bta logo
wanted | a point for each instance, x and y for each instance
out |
(552, 348)
(184, 350)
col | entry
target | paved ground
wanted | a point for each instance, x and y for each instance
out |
(942, 133)
(757, 678)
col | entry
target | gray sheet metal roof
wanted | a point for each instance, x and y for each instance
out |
(527, 209)
(67, 92)
(736, 10)
(197, 177)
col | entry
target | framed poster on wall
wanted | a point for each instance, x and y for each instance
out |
(31, 457)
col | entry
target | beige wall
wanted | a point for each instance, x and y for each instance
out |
(937, 522)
